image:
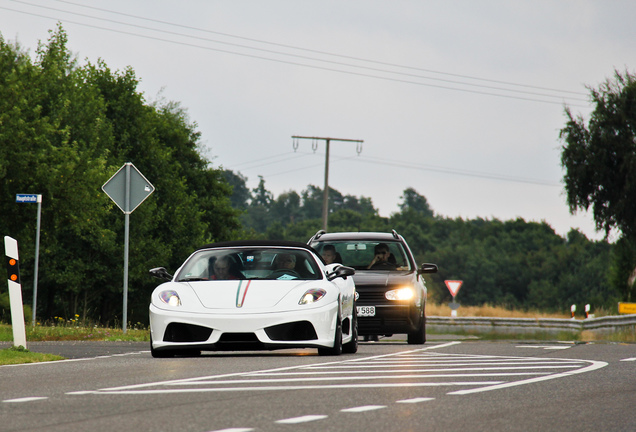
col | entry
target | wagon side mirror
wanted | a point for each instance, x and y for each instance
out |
(161, 273)
(427, 268)
(341, 271)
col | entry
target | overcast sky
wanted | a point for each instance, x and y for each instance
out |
(461, 100)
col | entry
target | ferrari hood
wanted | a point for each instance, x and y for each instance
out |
(382, 278)
(245, 294)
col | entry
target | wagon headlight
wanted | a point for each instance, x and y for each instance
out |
(406, 293)
(170, 298)
(312, 296)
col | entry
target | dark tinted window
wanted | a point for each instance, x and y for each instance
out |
(360, 254)
(250, 263)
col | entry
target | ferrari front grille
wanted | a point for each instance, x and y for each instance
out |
(294, 331)
(180, 332)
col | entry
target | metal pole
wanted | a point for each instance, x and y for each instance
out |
(325, 193)
(37, 260)
(126, 238)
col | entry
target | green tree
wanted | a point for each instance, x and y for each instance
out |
(64, 130)
(411, 200)
(600, 159)
(241, 195)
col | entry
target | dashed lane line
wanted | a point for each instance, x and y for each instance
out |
(302, 419)
(363, 408)
(234, 430)
(415, 400)
(25, 399)
(546, 347)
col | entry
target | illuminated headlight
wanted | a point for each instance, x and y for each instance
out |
(170, 297)
(406, 293)
(312, 296)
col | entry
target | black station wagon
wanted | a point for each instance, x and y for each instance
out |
(390, 288)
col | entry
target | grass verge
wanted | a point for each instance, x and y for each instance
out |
(20, 355)
(75, 333)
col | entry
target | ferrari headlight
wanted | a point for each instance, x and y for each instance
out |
(312, 296)
(406, 293)
(170, 298)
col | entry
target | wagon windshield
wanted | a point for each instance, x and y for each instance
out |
(366, 255)
(250, 263)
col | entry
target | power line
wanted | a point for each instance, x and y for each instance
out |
(419, 167)
(278, 158)
(301, 57)
(319, 51)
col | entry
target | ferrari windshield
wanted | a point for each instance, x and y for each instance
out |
(250, 263)
(365, 255)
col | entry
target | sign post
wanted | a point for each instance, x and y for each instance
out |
(453, 286)
(27, 198)
(15, 291)
(127, 188)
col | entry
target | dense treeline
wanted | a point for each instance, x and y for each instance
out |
(515, 263)
(66, 128)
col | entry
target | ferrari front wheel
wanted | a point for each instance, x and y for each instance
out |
(337, 340)
(351, 347)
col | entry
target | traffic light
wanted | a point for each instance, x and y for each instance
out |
(13, 269)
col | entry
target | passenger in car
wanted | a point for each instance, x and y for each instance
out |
(330, 255)
(223, 269)
(383, 259)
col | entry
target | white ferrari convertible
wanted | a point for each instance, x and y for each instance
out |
(253, 295)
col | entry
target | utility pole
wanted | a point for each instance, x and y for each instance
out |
(325, 193)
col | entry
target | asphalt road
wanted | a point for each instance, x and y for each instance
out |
(445, 385)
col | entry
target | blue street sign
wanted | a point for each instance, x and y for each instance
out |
(26, 198)
(34, 198)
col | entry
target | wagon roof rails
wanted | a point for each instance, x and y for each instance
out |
(318, 234)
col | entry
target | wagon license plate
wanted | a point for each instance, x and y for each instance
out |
(366, 311)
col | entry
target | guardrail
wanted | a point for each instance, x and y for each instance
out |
(606, 324)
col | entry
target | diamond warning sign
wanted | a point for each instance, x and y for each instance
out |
(453, 286)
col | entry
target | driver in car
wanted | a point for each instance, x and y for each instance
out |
(285, 261)
(284, 265)
(382, 258)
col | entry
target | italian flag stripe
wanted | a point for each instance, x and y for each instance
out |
(241, 298)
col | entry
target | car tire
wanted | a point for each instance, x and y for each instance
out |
(337, 340)
(351, 347)
(418, 337)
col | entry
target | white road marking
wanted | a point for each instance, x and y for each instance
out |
(629, 359)
(363, 408)
(409, 369)
(415, 400)
(287, 368)
(305, 387)
(303, 419)
(234, 430)
(546, 347)
(24, 399)
(593, 366)
(392, 366)
(365, 378)
(55, 362)
(544, 365)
